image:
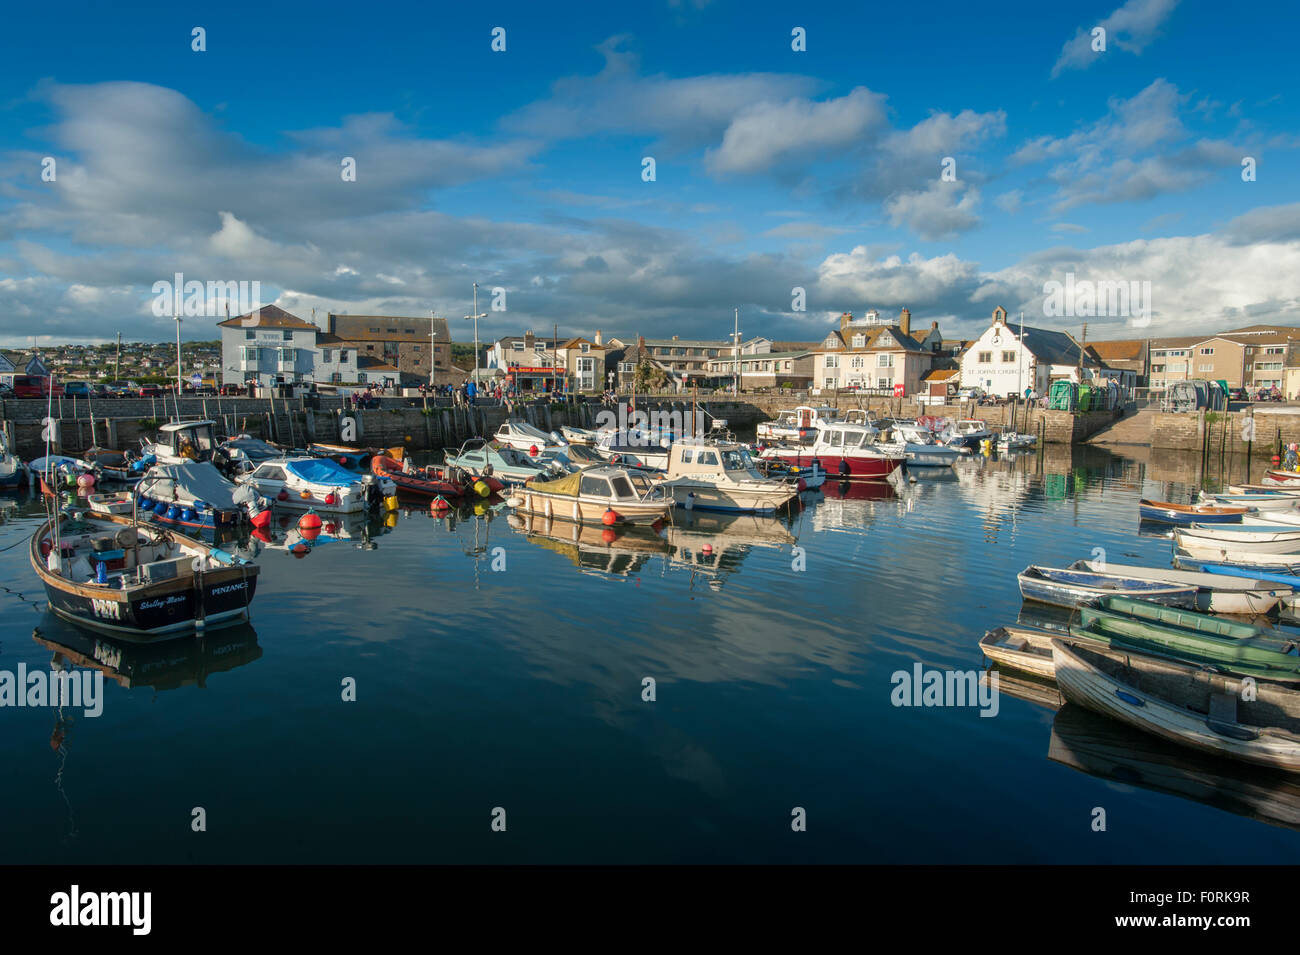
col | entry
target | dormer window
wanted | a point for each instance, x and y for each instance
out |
(859, 341)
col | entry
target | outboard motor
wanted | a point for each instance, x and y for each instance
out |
(371, 489)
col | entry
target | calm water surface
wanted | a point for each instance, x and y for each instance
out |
(521, 688)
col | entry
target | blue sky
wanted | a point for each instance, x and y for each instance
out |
(774, 168)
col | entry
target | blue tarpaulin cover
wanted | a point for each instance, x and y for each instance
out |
(322, 471)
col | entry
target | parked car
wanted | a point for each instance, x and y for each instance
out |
(205, 390)
(970, 394)
(233, 389)
(77, 389)
(1238, 394)
(149, 391)
(35, 386)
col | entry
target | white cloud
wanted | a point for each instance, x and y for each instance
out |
(941, 210)
(1131, 28)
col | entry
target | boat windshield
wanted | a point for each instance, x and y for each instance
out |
(737, 460)
(623, 489)
(640, 483)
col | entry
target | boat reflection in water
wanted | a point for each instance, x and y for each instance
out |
(287, 534)
(617, 551)
(1110, 750)
(165, 665)
(715, 544)
(849, 506)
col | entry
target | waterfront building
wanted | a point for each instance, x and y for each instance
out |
(1009, 358)
(873, 353)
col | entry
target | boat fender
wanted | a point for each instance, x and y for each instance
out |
(844, 467)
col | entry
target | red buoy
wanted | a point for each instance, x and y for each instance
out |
(283, 495)
(261, 518)
(532, 449)
(299, 550)
(610, 517)
(439, 503)
(331, 498)
(707, 549)
(309, 522)
(609, 535)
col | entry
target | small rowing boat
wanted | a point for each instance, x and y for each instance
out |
(1021, 648)
(1216, 593)
(1070, 587)
(1184, 703)
(1166, 512)
(1257, 538)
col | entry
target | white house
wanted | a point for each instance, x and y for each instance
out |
(1009, 358)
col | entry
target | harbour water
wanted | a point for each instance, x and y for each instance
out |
(501, 666)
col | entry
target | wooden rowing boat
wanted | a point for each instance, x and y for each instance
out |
(1258, 539)
(1216, 593)
(1166, 512)
(1184, 703)
(1021, 648)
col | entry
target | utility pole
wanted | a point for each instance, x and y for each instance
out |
(433, 338)
(177, 317)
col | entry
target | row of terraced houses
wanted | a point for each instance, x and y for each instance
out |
(872, 353)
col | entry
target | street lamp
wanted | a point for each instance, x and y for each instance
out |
(177, 316)
(474, 318)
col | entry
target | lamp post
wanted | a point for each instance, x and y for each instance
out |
(735, 354)
(177, 317)
(474, 318)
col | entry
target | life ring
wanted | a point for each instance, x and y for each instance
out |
(616, 459)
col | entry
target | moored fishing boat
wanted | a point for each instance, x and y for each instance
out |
(194, 495)
(795, 426)
(1184, 703)
(1167, 512)
(180, 441)
(845, 451)
(608, 495)
(1067, 587)
(1216, 593)
(138, 581)
(919, 447)
(1016, 441)
(967, 433)
(720, 476)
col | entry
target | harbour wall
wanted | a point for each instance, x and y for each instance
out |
(429, 424)
(1226, 434)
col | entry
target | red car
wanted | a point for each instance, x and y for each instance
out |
(149, 391)
(232, 389)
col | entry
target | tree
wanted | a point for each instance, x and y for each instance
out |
(649, 376)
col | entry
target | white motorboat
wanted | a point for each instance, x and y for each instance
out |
(605, 495)
(721, 476)
(919, 446)
(1271, 538)
(321, 484)
(195, 495)
(579, 436)
(795, 426)
(845, 451)
(967, 433)
(522, 435)
(1016, 441)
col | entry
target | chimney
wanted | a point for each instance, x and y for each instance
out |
(530, 341)
(598, 338)
(640, 342)
(845, 319)
(905, 321)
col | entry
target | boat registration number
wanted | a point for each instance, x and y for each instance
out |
(108, 609)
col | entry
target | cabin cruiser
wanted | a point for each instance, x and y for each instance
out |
(604, 495)
(919, 446)
(634, 446)
(845, 451)
(795, 426)
(139, 582)
(321, 484)
(194, 495)
(967, 433)
(720, 476)
(523, 436)
(182, 441)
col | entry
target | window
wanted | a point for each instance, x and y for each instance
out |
(593, 486)
(1207, 351)
(1274, 351)
(1268, 366)
(517, 346)
(830, 382)
(884, 383)
(288, 355)
(885, 360)
(343, 355)
(832, 361)
(985, 357)
(1157, 369)
(585, 348)
(859, 341)
(325, 355)
(250, 334)
(269, 472)
(336, 377)
(707, 457)
(392, 331)
(1008, 357)
(375, 329)
(625, 367)
(855, 363)
(1208, 366)
(688, 455)
(248, 353)
(409, 331)
(361, 378)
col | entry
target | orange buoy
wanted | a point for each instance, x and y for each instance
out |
(305, 495)
(309, 521)
(439, 503)
(299, 550)
(610, 517)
